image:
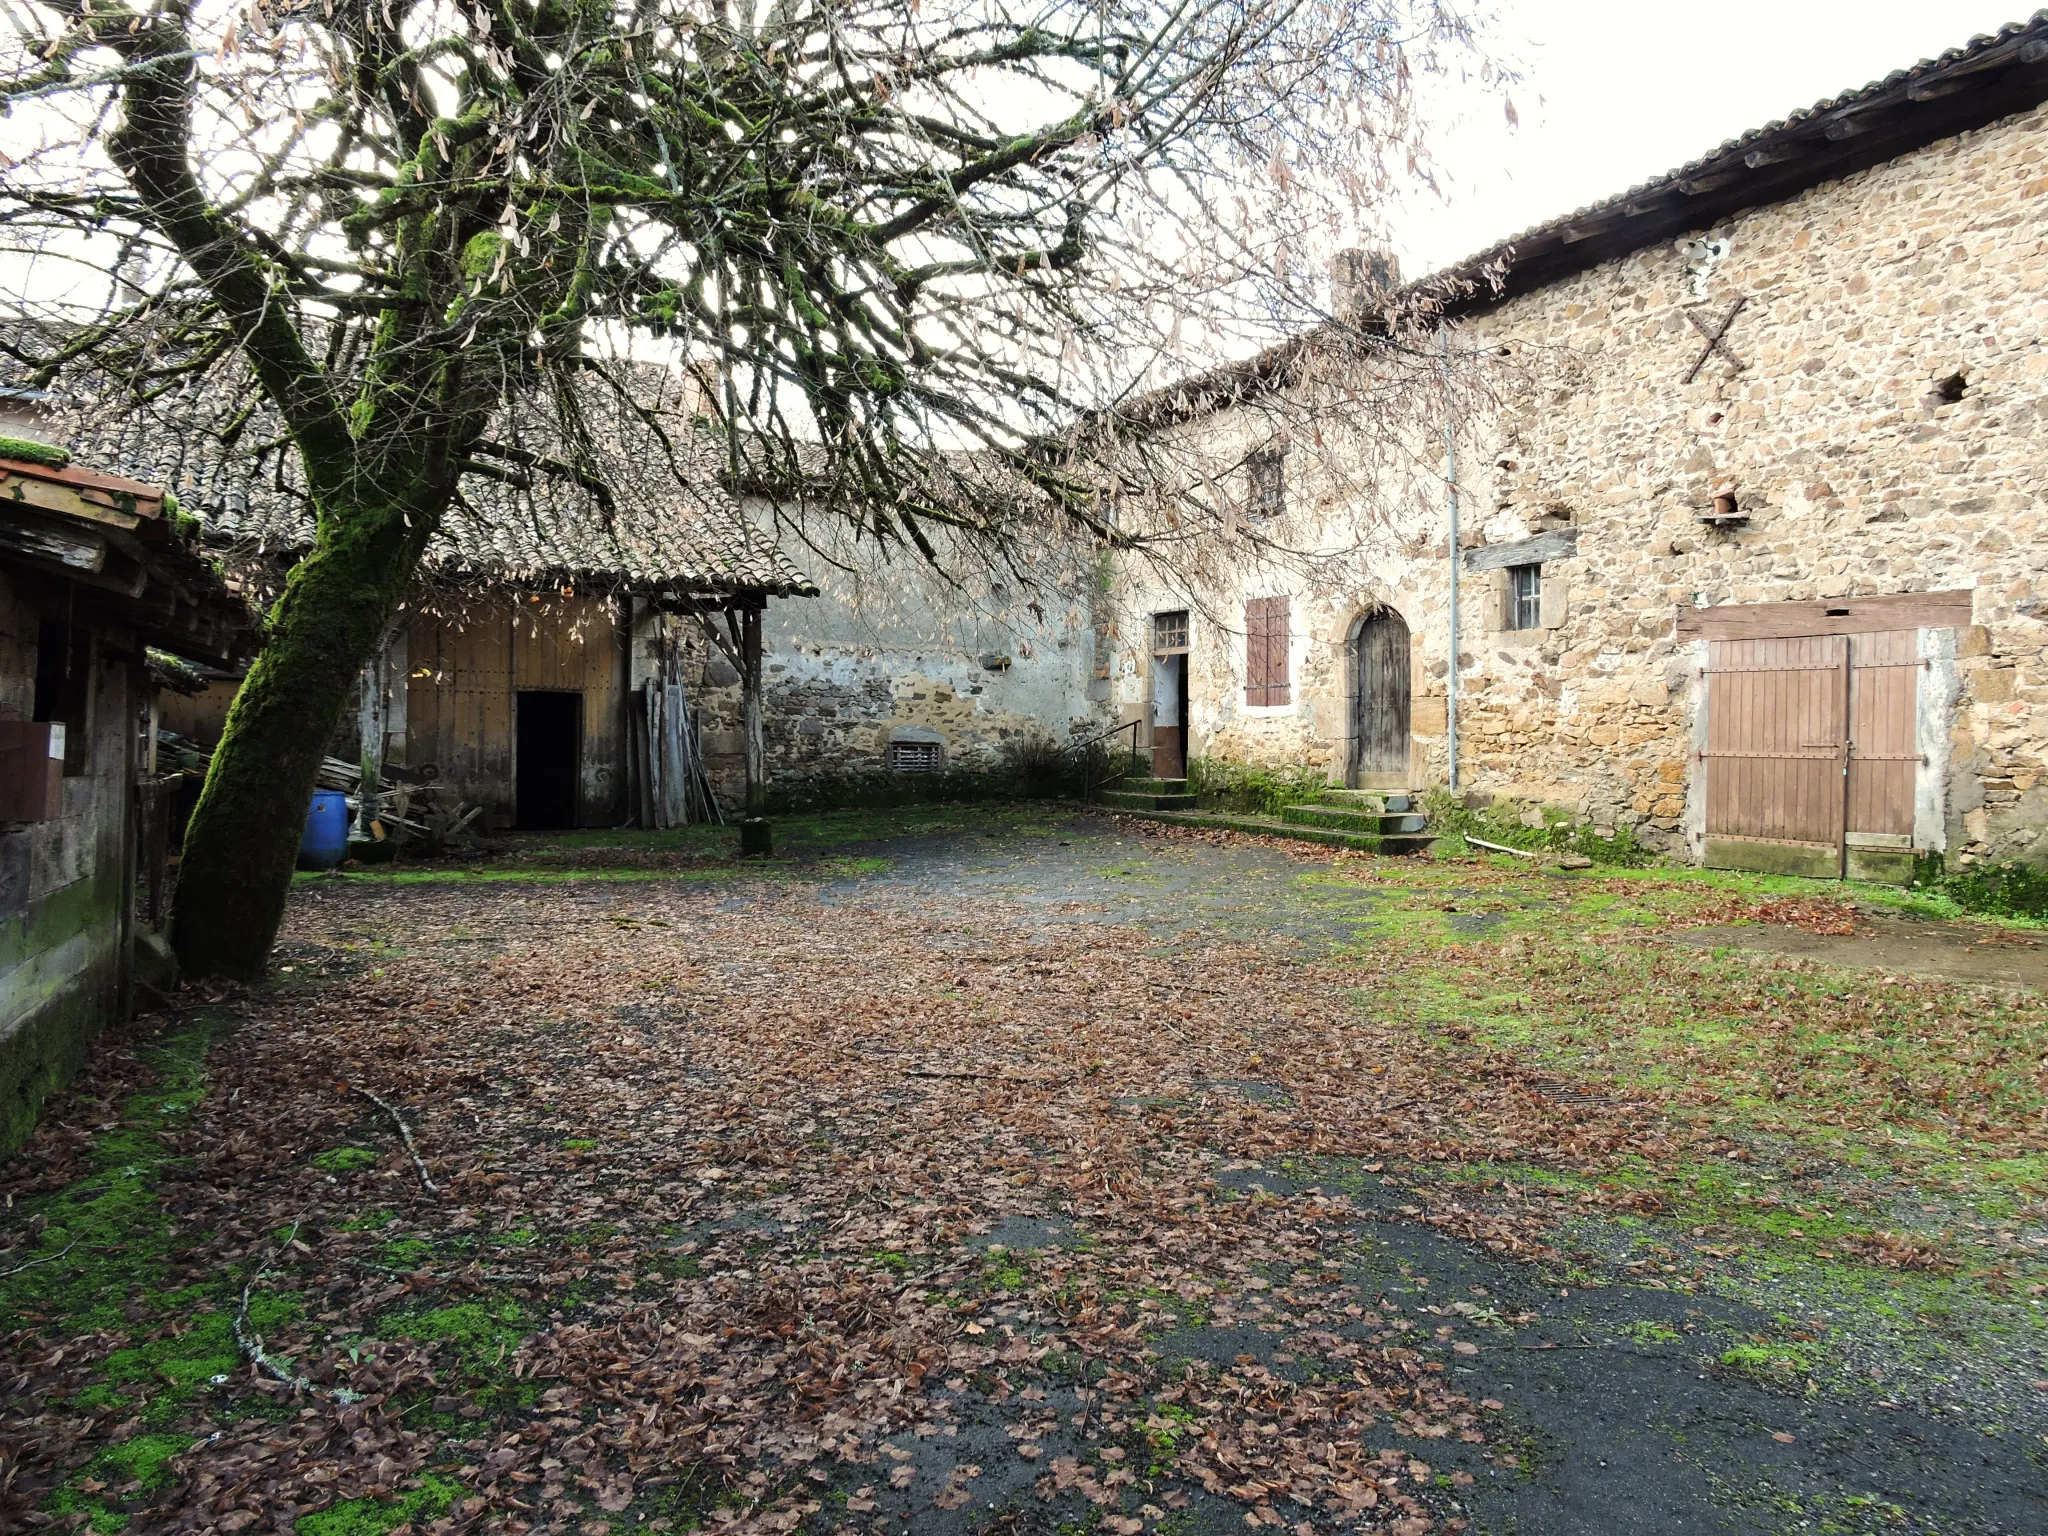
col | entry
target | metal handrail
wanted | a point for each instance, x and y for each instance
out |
(1115, 773)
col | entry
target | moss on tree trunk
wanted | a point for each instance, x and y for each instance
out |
(244, 835)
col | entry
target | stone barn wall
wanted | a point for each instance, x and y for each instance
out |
(1885, 433)
(963, 659)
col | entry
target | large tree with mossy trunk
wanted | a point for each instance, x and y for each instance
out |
(880, 231)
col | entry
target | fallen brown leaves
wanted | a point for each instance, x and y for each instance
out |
(726, 1171)
(1822, 915)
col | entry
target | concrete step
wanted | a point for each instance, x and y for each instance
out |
(1407, 824)
(1137, 800)
(1133, 784)
(1354, 799)
(1338, 817)
(1273, 826)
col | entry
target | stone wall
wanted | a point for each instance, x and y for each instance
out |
(1883, 433)
(968, 659)
(63, 883)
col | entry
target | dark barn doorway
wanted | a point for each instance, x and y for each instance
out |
(550, 753)
(1379, 702)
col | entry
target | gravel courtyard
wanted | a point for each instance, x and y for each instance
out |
(1019, 1170)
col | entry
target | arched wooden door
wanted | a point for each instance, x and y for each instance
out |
(1379, 702)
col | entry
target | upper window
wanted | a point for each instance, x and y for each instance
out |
(1169, 633)
(1267, 472)
(1525, 597)
(1265, 651)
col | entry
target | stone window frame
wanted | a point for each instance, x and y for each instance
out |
(1265, 483)
(1522, 597)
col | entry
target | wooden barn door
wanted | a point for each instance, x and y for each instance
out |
(1810, 750)
(1380, 703)
(1884, 740)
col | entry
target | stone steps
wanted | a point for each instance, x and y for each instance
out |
(1134, 784)
(1399, 824)
(1341, 818)
(1301, 831)
(1268, 826)
(1143, 800)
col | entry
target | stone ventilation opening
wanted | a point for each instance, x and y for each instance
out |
(914, 756)
(1725, 504)
(1949, 390)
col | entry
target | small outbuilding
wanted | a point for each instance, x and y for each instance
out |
(101, 589)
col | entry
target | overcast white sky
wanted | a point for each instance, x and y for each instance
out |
(1615, 92)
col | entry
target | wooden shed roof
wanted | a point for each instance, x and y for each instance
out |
(110, 538)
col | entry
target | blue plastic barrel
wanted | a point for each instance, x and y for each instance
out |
(325, 844)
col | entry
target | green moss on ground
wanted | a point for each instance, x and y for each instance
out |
(106, 1237)
(373, 1517)
(345, 1159)
(480, 1335)
(142, 1460)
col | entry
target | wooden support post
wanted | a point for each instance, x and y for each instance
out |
(740, 641)
(370, 723)
(754, 834)
(373, 725)
(750, 710)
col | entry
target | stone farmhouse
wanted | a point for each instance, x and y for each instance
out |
(1726, 525)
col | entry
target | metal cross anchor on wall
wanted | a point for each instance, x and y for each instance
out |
(1714, 338)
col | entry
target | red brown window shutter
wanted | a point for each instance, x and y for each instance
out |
(1276, 650)
(1255, 651)
(1265, 651)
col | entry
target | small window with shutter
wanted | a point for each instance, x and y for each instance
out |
(1265, 651)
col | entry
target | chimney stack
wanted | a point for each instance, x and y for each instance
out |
(1360, 281)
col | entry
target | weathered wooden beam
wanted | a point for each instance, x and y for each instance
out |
(1558, 544)
(69, 500)
(750, 711)
(1827, 616)
(78, 552)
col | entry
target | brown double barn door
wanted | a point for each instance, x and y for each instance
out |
(1811, 750)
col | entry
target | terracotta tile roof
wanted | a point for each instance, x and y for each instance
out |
(673, 527)
(1988, 78)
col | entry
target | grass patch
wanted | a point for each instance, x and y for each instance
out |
(1221, 783)
(373, 1517)
(345, 1159)
(1502, 823)
(106, 1236)
(1998, 890)
(93, 1492)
